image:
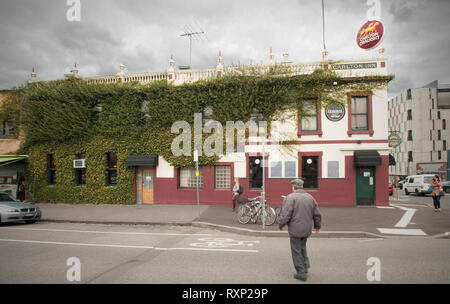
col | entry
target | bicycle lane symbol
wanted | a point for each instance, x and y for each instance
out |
(222, 243)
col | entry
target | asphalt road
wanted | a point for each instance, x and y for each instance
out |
(40, 253)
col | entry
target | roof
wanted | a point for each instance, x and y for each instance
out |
(8, 159)
(142, 160)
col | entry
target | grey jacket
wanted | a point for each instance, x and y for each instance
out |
(299, 211)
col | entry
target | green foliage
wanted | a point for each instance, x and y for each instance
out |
(70, 116)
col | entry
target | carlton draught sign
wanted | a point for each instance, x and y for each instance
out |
(370, 35)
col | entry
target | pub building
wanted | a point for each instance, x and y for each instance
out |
(341, 152)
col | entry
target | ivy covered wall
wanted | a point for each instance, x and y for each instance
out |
(68, 117)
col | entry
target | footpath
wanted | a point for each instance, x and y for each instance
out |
(337, 222)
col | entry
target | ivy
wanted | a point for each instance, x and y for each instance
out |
(67, 117)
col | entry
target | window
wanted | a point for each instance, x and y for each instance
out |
(444, 124)
(434, 145)
(410, 156)
(51, 167)
(360, 114)
(431, 135)
(287, 169)
(439, 135)
(310, 172)
(187, 178)
(276, 169)
(431, 155)
(111, 171)
(97, 112)
(208, 116)
(409, 114)
(7, 129)
(6, 179)
(80, 174)
(309, 116)
(222, 177)
(256, 116)
(409, 94)
(433, 124)
(439, 115)
(290, 169)
(255, 172)
(444, 145)
(410, 136)
(439, 155)
(432, 103)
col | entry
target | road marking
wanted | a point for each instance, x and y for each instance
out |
(106, 232)
(221, 243)
(385, 207)
(402, 231)
(125, 246)
(406, 218)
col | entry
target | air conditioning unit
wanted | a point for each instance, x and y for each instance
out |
(79, 163)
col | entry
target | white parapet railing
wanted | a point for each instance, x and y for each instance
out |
(345, 68)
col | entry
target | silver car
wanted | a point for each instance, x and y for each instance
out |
(12, 210)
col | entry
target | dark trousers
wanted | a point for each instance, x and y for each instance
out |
(299, 255)
(437, 202)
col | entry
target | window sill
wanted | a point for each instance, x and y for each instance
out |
(312, 133)
(367, 132)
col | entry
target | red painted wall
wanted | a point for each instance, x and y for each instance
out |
(332, 192)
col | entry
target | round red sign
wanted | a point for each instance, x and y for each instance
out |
(370, 35)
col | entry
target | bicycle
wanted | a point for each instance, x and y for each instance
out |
(253, 211)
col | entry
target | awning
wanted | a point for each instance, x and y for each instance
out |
(6, 160)
(142, 160)
(367, 158)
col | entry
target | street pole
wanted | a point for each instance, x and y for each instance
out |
(263, 193)
(197, 173)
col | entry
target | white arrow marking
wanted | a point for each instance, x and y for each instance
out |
(406, 218)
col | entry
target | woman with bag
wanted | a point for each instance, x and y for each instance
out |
(436, 193)
(237, 191)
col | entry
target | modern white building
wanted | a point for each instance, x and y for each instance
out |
(420, 116)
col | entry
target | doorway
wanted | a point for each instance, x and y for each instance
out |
(365, 186)
(145, 185)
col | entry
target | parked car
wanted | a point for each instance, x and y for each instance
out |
(12, 210)
(446, 186)
(401, 183)
(418, 184)
(391, 188)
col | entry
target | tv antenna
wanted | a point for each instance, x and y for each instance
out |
(193, 34)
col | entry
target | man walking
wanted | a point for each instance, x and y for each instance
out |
(299, 210)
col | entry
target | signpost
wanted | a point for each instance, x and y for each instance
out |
(335, 112)
(370, 35)
(394, 140)
(197, 174)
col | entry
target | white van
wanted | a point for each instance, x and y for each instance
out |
(418, 184)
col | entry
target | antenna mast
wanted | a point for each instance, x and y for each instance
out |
(190, 32)
(324, 53)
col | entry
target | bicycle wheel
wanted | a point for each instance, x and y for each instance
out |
(244, 214)
(270, 216)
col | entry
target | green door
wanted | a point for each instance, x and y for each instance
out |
(365, 186)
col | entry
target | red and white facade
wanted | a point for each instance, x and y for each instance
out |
(326, 156)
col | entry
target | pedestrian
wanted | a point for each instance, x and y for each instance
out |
(298, 212)
(21, 190)
(237, 191)
(436, 192)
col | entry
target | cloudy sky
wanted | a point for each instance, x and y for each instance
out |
(142, 34)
